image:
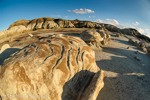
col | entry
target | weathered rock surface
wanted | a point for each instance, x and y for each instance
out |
(95, 38)
(131, 41)
(19, 22)
(4, 47)
(140, 45)
(14, 29)
(65, 23)
(55, 68)
(92, 38)
(5, 52)
(104, 35)
(118, 34)
(50, 25)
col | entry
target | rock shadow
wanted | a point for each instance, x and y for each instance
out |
(75, 88)
(6, 54)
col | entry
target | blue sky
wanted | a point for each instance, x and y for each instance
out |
(122, 13)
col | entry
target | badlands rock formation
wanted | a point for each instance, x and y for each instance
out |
(104, 35)
(55, 68)
(49, 23)
(140, 45)
(95, 38)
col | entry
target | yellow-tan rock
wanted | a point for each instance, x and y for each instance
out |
(55, 68)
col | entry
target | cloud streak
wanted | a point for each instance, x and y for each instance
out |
(81, 11)
(136, 23)
(140, 30)
(113, 22)
(99, 21)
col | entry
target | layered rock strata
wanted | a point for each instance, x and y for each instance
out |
(55, 68)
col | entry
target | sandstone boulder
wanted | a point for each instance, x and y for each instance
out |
(131, 41)
(54, 68)
(91, 35)
(104, 35)
(92, 38)
(118, 34)
(142, 44)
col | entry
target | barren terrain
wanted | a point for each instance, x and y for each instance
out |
(126, 78)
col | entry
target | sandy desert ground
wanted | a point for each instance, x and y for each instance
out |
(126, 78)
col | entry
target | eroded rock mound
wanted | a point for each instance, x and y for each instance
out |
(55, 68)
(95, 38)
(140, 45)
(104, 35)
(92, 38)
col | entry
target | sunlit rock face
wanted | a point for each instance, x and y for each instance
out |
(55, 68)
(65, 24)
(95, 38)
(50, 25)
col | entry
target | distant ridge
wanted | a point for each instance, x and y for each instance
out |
(51, 23)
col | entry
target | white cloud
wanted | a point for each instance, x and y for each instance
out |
(112, 21)
(121, 26)
(66, 16)
(85, 19)
(69, 11)
(89, 16)
(93, 16)
(56, 16)
(99, 21)
(136, 23)
(140, 30)
(81, 11)
(131, 26)
(146, 29)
